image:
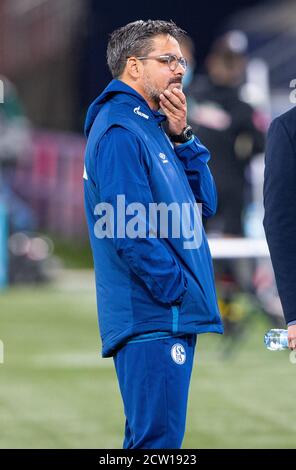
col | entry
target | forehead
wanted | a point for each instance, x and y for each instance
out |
(166, 44)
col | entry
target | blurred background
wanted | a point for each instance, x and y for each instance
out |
(55, 390)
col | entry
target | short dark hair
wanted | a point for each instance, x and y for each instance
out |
(134, 39)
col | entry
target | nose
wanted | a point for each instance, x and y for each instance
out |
(179, 70)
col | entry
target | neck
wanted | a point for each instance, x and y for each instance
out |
(151, 103)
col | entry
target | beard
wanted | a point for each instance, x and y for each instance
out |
(153, 92)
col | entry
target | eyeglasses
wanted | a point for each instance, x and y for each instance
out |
(171, 60)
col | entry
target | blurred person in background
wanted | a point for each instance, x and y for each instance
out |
(188, 50)
(229, 128)
(15, 143)
(280, 212)
(16, 214)
(154, 294)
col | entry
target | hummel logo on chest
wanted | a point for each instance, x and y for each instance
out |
(139, 113)
(163, 157)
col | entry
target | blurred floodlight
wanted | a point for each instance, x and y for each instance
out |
(39, 249)
(19, 244)
(32, 245)
(237, 41)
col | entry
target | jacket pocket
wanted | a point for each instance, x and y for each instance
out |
(193, 297)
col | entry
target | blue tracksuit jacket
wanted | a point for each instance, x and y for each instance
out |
(145, 283)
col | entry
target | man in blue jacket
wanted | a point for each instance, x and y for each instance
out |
(154, 275)
(280, 212)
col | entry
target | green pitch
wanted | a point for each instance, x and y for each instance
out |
(56, 391)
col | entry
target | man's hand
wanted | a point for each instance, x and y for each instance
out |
(173, 103)
(292, 336)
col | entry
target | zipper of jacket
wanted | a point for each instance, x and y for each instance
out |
(175, 312)
(174, 308)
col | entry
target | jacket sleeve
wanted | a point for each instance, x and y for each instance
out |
(194, 157)
(280, 213)
(121, 171)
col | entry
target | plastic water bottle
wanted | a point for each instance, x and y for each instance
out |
(276, 340)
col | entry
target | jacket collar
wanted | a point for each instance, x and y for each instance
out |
(120, 89)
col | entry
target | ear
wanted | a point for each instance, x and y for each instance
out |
(133, 67)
